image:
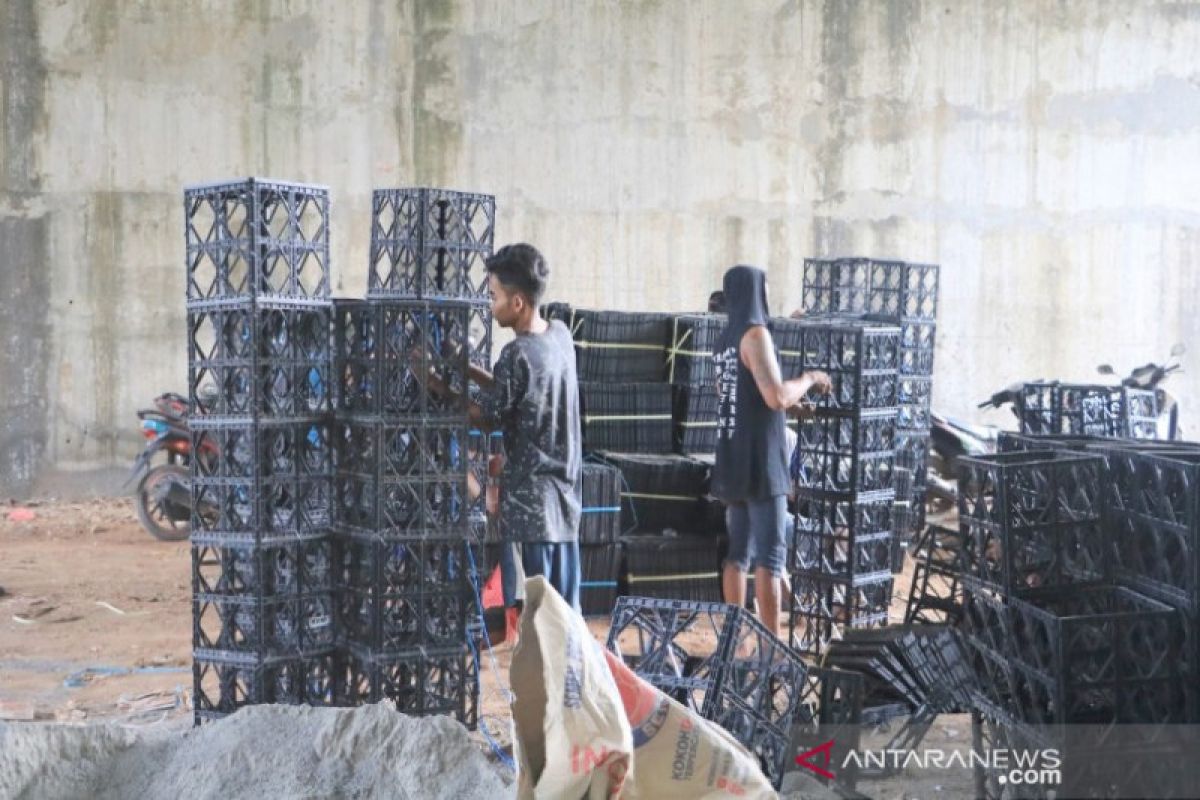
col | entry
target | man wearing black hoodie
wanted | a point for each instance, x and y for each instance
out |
(751, 471)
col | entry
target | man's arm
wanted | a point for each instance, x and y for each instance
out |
(757, 351)
(481, 376)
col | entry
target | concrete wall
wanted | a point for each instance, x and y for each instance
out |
(1042, 151)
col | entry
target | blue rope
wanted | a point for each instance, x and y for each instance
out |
(504, 757)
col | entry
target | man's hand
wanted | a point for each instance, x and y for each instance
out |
(819, 381)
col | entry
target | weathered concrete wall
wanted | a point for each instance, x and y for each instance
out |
(1041, 150)
(110, 109)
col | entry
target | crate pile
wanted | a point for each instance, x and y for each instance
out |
(599, 538)
(691, 371)
(338, 511)
(1071, 409)
(904, 294)
(259, 376)
(720, 662)
(843, 469)
(1052, 639)
(411, 472)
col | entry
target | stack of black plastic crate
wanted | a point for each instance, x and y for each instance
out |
(259, 375)
(599, 539)
(720, 662)
(1050, 641)
(1071, 409)
(411, 473)
(621, 361)
(691, 371)
(905, 294)
(840, 560)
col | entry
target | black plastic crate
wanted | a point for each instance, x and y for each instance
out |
(429, 242)
(936, 593)
(601, 572)
(695, 420)
(262, 602)
(860, 357)
(420, 682)
(914, 400)
(844, 455)
(693, 346)
(260, 482)
(399, 595)
(256, 239)
(721, 662)
(223, 685)
(1087, 410)
(386, 348)
(246, 571)
(600, 522)
(843, 539)
(671, 567)
(1153, 503)
(401, 481)
(1095, 654)
(1032, 519)
(917, 341)
(621, 346)
(660, 492)
(824, 607)
(626, 417)
(266, 358)
(868, 286)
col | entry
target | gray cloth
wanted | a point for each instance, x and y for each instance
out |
(535, 402)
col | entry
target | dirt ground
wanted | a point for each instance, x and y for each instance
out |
(96, 618)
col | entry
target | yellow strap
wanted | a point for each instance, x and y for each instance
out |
(679, 577)
(622, 417)
(617, 346)
(676, 343)
(684, 497)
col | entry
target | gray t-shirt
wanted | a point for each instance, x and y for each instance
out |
(535, 402)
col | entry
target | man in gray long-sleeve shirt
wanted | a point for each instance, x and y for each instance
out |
(533, 397)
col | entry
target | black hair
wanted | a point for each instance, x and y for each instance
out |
(716, 302)
(521, 267)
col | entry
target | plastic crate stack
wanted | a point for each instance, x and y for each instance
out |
(259, 373)
(621, 360)
(599, 535)
(843, 467)
(692, 374)
(1051, 643)
(905, 294)
(411, 473)
(1069, 409)
(668, 552)
(720, 662)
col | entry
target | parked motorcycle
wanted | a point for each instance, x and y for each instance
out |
(163, 495)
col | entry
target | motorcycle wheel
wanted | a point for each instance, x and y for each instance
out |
(155, 510)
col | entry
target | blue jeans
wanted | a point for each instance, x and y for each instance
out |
(758, 532)
(558, 563)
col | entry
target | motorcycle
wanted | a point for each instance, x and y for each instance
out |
(163, 494)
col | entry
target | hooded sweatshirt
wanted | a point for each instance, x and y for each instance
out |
(752, 458)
